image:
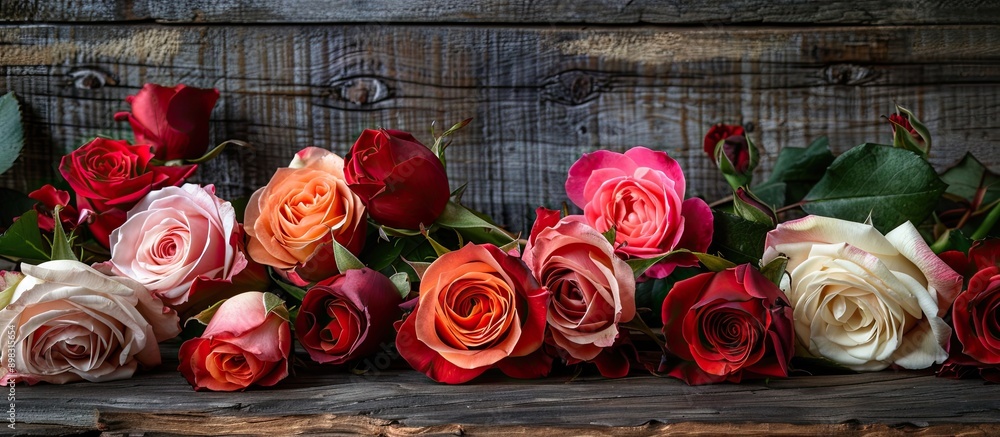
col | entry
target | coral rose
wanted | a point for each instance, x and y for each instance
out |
(479, 308)
(246, 343)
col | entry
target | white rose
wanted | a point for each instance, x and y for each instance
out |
(68, 322)
(862, 299)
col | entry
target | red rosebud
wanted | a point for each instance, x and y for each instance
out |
(173, 120)
(48, 198)
(727, 326)
(111, 176)
(348, 316)
(401, 182)
(718, 133)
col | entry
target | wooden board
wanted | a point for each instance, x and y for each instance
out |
(403, 402)
(698, 12)
(540, 96)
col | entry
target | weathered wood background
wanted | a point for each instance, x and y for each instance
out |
(545, 80)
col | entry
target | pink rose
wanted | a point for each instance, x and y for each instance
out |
(246, 343)
(178, 238)
(592, 289)
(73, 323)
(641, 194)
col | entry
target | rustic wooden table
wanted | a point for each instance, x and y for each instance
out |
(404, 402)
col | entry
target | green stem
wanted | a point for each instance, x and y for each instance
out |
(988, 223)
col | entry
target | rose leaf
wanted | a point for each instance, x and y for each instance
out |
(11, 131)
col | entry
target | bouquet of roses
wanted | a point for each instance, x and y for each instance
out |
(834, 261)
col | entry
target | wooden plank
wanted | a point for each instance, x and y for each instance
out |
(540, 96)
(700, 12)
(404, 402)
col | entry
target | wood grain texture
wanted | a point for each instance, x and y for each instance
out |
(404, 402)
(540, 97)
(519, 11)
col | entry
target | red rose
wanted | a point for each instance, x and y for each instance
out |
(348, 316)
(111, 176)
(402, 183)
(173, 120)
(727, 326)
(48, 198)
(718, 133)
(976, 315)
(479, 308)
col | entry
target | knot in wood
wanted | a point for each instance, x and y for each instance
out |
(848, 74)
(361, 90)
(91, 78)
(574, 87)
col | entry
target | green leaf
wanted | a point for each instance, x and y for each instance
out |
(23, 241)
(62, 247)
(11, 131)
(295, 292)
(344, 258)
(967, 178)
(205, 316)
(471, 225)
(711, 262)
(737, 239)
(9, 281)
(215, 152)
(893, 185)
(775, 269)
(650, 293)
(514, 244)
(439, 249)
(611, 235)
(379, 254)
(952, 239)
(795, 172)
(274, 304)
(419, 267)
(402, 282)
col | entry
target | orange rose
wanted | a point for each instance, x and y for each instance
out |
(291, 220)
(479, 308)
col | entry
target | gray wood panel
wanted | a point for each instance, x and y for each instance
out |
(520, 11)
(540, 96)
(395, 402)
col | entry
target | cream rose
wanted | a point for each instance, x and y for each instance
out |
(71, 322)
(862, 299)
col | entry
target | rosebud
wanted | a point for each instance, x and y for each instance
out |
(735, 154)
(173, 120)
(749, 207)
(401, 182)
(718, 133)
(908, 132)
(49, 198)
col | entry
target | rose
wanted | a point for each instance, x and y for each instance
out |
(728, 326)
(717, 133)
(402, 183)
(641, 195)
(592, 289)
(49, 198)
(479, 308)
(177, 239)
(862, 299)
(291, 222)
(247, 342)
(110, 176)
(975, 346)
(174, 120)
(348, 316)
(74, 323)
(8, 283)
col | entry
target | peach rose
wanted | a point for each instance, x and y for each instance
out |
(592, 289)
(74, 323)
(247, 342)
(292, 220)
(479, 308)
